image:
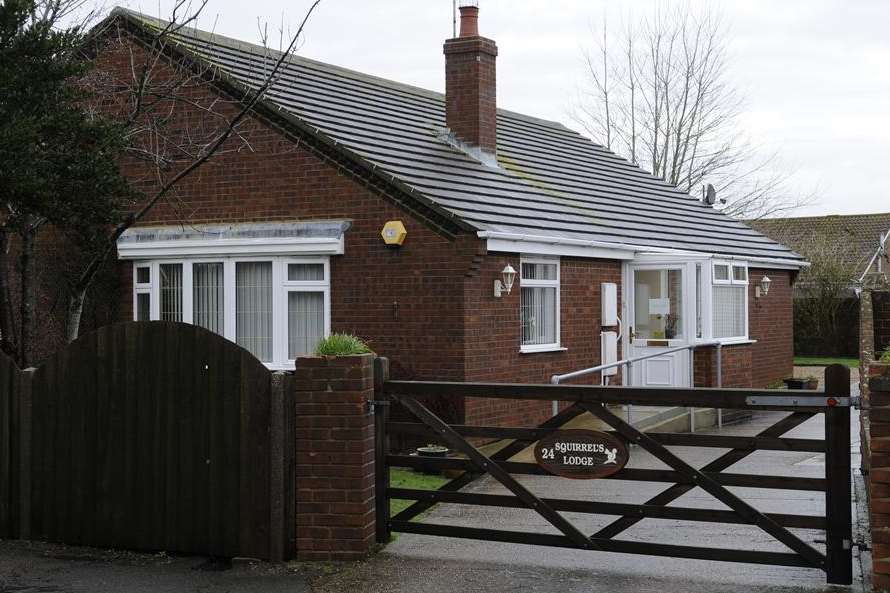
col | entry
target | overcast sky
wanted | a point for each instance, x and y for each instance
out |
(815, 73)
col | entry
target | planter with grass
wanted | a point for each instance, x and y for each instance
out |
(342, 345)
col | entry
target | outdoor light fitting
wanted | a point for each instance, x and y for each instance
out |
(509, 275)
(763, 289)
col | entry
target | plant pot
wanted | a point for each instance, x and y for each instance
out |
(794, 383)
(437, 451)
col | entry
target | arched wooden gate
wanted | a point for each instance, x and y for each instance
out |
(147, 436)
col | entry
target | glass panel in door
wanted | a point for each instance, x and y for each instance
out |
(658, 304)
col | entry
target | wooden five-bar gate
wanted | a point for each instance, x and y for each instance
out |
(833, 403)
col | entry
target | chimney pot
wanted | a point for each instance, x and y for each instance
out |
(469, 21)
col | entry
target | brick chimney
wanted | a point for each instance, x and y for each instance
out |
(470, 86)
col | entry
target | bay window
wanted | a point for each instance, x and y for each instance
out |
(539, 304)
(276, 307)
(729, 300)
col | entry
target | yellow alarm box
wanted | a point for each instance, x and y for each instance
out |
(394, 233)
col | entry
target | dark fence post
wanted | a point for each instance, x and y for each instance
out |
(381, 450)
(839, 536)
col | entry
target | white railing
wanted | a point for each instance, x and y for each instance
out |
(628, 363)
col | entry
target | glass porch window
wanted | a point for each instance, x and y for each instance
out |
(658, 304)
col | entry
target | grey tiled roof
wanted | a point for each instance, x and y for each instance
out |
(550, 182)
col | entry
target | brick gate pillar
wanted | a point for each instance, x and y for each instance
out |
(334, 457)
(879, 472)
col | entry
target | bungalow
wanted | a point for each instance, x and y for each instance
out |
(463, 241)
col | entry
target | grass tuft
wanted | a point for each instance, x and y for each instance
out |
(824, 361)
(341, 345)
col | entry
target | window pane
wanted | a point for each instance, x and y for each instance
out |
(253, 308)
(538, 271)
(171, 292)
(740, 273)
(297, 272)
(729, 311)
(305, 322)
(208, 296)
(698, 303)
(143, 275)
(658, 304)
(538, 315)
(721, 272)
(143, 306)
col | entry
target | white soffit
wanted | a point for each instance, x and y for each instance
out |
(285, 238)
(540, 245)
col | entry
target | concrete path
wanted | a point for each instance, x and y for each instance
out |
(419, 564)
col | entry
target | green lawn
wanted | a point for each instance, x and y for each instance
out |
(405, 478)
(824, 361)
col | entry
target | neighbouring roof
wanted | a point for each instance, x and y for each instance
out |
(857, 236)
(551, 182)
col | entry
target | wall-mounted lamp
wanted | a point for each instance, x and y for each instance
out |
(509, 275)
(763, 288)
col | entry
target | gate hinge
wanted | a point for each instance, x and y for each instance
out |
(373, 403)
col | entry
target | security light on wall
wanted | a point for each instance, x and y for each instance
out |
(763, 288)
(508, 274)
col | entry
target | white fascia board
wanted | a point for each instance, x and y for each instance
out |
(130, 250)
(753, 262)
(538, 245)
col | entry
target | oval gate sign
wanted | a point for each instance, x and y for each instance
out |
(581, 454)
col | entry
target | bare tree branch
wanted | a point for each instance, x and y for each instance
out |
(660, 96)
(151, 102)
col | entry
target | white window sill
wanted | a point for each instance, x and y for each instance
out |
(541, 348)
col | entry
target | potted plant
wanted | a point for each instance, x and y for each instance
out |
(809, 382)
(793, 383)
(431, 450)
(670, 326)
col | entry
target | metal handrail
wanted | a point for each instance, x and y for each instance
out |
(557, 379)
(628, 364)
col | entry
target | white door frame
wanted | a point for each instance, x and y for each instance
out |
(687, 265)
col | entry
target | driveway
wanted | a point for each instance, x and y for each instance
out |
(419, 564)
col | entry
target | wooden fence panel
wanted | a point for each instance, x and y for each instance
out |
(8, 371)
(152, 436)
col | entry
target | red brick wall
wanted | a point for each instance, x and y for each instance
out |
(407, 302)
(770, 322)
(735, 365)
(881, 312)
(334, 458)
(493, 337)
(877, 443)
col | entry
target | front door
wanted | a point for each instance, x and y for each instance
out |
(658, 307)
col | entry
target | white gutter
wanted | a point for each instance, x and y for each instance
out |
(500, 241)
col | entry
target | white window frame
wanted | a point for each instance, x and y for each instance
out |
(143, 288)
(527, 283)
(730, 265)
(281, 287)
